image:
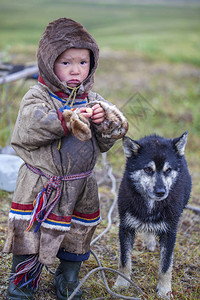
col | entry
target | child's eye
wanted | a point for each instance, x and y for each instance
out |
(83, 62)
(65, 63)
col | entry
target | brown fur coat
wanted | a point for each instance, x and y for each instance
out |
(37, 134)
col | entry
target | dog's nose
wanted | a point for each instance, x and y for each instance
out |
(160, 192)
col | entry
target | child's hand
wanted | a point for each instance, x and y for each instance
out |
(98, 114)
(86, 112)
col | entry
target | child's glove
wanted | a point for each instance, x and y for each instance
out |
(114, 125)
(77, 124)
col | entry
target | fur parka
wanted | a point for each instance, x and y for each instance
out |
(40, 140)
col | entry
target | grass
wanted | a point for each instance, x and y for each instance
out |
(154, 30)
(185, 281)
(149, 67)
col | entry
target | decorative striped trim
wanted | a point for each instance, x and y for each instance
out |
(20, 211)
(61, 96)
(86, 219)
(66, 96)
(24, 212)
(58, 219)
(21, 207)
(57, 222)
(51, 225)
(68, 102)
(56, 97)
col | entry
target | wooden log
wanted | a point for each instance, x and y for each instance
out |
(193, 208)
(18, 75)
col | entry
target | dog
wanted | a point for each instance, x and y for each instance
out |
(153, 192)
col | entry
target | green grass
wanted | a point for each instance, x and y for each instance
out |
(161, 32)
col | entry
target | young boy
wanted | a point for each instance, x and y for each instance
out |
(61, 129)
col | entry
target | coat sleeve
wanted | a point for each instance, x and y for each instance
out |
(38, 124)
(114, 125)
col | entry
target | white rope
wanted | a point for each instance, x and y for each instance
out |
(100, 268)
(107, 287)
(109, 218)
(113, 190)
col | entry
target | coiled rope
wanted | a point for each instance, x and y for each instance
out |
(109, 218)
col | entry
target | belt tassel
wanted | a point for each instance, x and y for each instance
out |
(28, 273)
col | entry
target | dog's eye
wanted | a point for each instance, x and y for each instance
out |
(148, 170)
(168, 171)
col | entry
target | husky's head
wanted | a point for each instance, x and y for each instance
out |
(153, 164)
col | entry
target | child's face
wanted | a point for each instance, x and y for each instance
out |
(73, 66)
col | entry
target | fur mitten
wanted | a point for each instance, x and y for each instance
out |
(114, 125)
(77, 124)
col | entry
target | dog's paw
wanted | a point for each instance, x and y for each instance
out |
(77, 124)
(121, 283)
(164, 293)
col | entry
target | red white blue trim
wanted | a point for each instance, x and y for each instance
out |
(86, 219)
(53, 221)
(56, 222)
(20, 211)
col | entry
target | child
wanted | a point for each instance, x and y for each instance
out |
(61, 129)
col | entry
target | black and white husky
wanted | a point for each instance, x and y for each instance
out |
(154, 190)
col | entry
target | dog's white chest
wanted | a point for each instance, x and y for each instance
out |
(138, 225)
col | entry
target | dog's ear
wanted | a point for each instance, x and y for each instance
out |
(130, 146)
(180, 143)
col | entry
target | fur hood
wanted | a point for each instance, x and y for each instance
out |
(59, 36)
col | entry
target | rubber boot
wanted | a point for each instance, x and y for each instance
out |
(14, 292)
(66, 279)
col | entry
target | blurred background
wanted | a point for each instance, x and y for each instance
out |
(149, 65)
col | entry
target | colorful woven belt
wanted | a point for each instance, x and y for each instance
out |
(42, 208)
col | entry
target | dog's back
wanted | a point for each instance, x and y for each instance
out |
(155, 188)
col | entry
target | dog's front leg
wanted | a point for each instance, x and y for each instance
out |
(126, 238)
(167, 243)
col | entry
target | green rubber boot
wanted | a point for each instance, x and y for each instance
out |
(66, 279)
(14, 292)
